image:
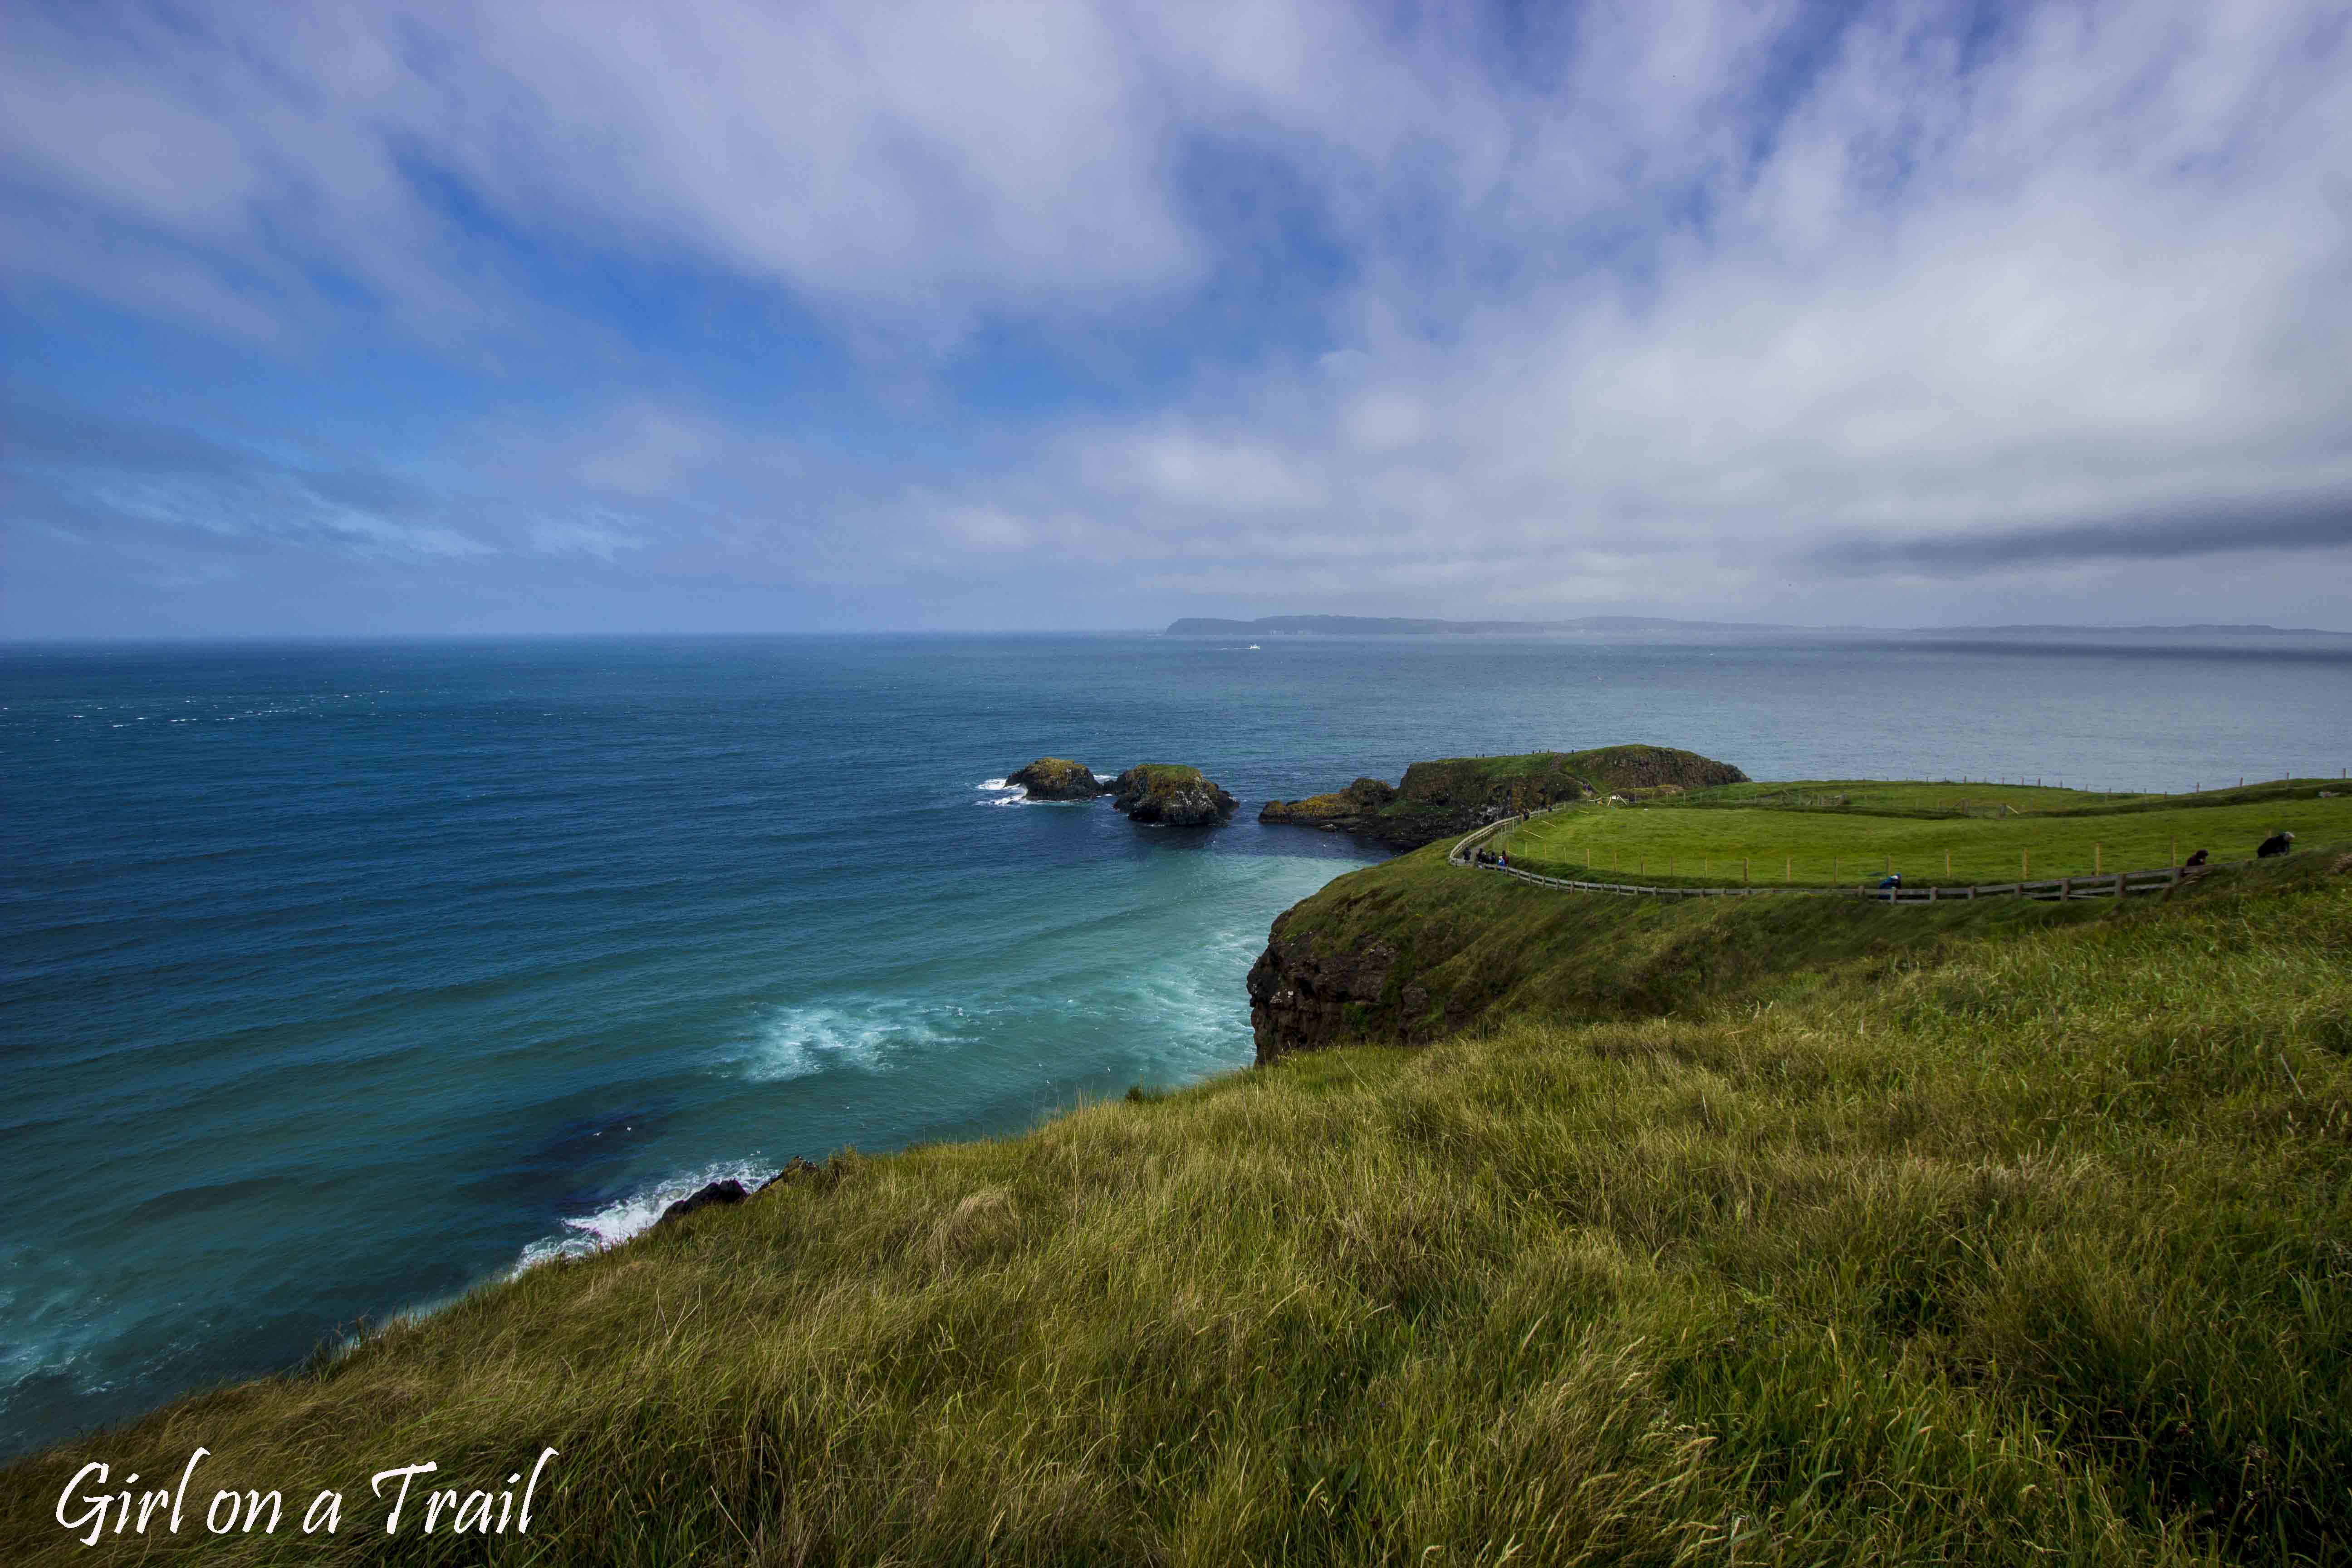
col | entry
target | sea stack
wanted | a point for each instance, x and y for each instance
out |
(1172, 794)
(1056, 778)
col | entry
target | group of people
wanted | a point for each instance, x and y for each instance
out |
(1494, 857)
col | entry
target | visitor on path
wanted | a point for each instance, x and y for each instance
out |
(2197, 862)
(2276, 844)
(1893, 882)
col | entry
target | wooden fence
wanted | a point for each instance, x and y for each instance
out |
(2113, 885)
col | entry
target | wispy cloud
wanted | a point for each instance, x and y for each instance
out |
(1158, 308)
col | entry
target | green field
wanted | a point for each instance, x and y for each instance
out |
(2016, 1234)
(1843, 832)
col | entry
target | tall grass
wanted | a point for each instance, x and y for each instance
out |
(2031, 1248)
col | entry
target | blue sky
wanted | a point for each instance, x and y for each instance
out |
(545, 316)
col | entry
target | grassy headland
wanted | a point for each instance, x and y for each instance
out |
(1803, 1232)
(1841, 832)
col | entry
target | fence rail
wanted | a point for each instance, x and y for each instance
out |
(2111, 885)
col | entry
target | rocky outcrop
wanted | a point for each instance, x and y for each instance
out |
(711, 1196)
(1304, 997)
(1351, 810)
(1451, 795)
(1056, 778)
(1171, 796)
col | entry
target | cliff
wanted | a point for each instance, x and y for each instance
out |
(2026, 1249)
(1413, 950)
(1451, 795)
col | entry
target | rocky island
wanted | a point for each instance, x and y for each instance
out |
(1170, 794)
(1057, 778)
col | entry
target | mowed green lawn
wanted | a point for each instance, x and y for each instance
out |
(1907, 794)
(1706, 843)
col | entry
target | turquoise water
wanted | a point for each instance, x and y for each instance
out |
(338, 979)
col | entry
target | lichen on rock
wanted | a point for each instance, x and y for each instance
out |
(1350, 810)
(1170, 794)
(1057, 778)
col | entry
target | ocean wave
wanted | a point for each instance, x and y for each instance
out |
(624, 1217)
(797, 1041)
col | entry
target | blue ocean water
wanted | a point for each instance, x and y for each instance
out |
(337, 979)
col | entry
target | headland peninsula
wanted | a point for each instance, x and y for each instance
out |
(1554, 1226)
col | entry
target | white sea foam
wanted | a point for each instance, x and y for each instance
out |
(864, 1034)
(1005, 793)
(624, 1217)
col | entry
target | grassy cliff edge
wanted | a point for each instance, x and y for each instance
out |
(2016, 1237)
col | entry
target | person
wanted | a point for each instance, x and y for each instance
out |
(1891, 884)
(2197, 862)
(2276, 844)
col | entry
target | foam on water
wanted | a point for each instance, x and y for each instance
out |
(860, 1034)
(619, 1220)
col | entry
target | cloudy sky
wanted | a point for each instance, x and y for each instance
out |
(542, 316)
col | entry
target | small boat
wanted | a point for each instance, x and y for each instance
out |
(1254, 648)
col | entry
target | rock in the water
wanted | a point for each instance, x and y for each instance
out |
(1350, 810)
(1170, 794)
(711, 1196)
(1056, 778)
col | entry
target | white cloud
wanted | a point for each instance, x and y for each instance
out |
(1658, 305)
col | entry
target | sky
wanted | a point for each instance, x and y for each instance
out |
(548, 316)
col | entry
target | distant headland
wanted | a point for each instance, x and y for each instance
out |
(1408, 626)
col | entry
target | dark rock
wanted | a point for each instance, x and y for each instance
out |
(1351, 810)
(1305, 995)
(1056, 778)
(1170, 794)
(711, 1196)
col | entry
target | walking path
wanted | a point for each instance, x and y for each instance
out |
(2113, 885)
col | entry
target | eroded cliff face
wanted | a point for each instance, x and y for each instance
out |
(1306, 995)
(1351, 810)
(1451, 795)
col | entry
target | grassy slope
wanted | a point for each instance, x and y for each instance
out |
(1494, 946)
(1704, 842)
(2030, 1249)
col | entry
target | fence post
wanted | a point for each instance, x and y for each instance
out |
(2024, 864)
(2094, 857)
(1743, 870)
(1789, 869)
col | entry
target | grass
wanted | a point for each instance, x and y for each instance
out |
(1706, 839)
(2023, 1244)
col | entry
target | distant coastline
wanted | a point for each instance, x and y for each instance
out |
(1408, 626)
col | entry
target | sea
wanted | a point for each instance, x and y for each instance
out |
(336, 981)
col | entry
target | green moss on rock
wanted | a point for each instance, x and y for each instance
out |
(1172, 794)
(1057, 778)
